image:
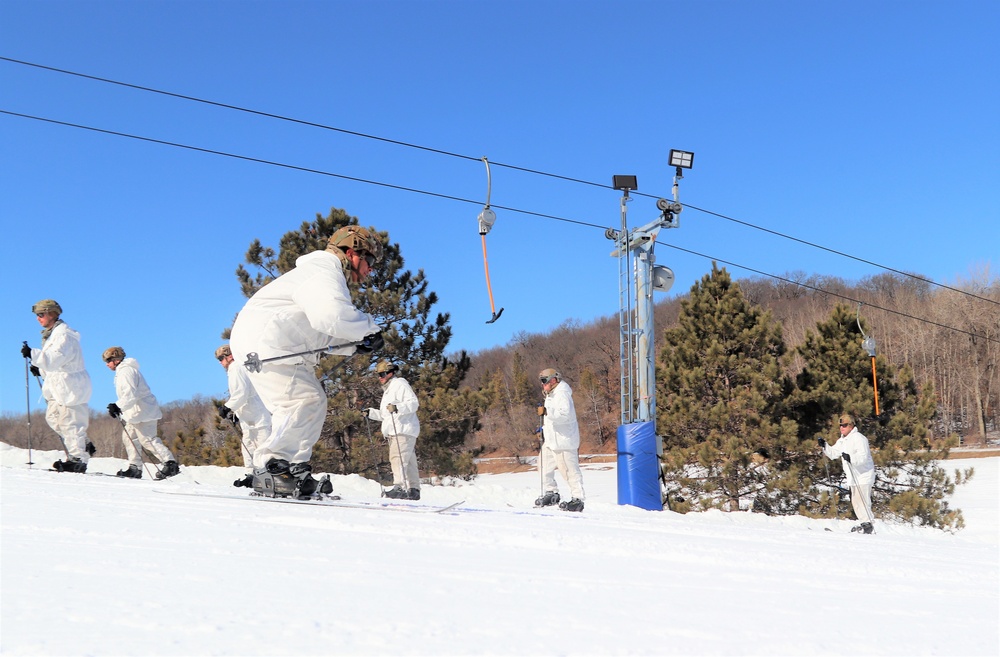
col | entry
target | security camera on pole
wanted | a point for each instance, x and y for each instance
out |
(638, 444)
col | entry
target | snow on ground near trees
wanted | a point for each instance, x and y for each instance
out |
(104, 566)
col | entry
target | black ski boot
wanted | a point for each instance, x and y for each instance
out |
(550, 498)
(90, 448)
(413, 494)
(132, 472)
(575, 504)
(70, 465)
(396, 493)
(169, 469)
(864, 528)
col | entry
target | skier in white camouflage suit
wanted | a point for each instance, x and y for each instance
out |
(244, 406)
(561, 442)
(398, 413)
(854, 450)
(304, 309)
(67, 385)
(137, 406)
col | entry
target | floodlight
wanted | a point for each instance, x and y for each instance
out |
(681, 159)
(624, 183)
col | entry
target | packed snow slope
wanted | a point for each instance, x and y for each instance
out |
(97, 565)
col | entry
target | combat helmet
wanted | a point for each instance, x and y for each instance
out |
(47, 306)
(357, 238)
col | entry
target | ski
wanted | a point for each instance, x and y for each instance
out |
(339, 503)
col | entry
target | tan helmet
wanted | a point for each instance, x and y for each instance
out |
(547, 374)
(113, 353)
(357, 238)
(222, 352)
(385, 366)
(47, 306)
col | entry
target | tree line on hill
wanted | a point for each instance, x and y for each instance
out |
(749, 375)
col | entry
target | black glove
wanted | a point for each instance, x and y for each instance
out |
(391, 408)
(26, 351)
(225, 412)
(370, 343)
(35, 371)
(846, 457)
(113, 410)
(822, 443)
(541, 410)
(90, 448)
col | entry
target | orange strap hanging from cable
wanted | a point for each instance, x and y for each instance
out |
(486, 220)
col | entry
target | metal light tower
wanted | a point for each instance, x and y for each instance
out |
(638, 272)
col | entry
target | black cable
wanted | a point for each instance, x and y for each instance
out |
(452, 198)
(833, 294)
(467, 157)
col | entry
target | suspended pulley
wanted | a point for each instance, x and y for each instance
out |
(868, 344)
(486, 220)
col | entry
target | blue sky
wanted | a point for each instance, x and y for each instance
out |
(866, 127)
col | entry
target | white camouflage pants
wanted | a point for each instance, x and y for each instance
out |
(298, 407)
(568, 464)
(403, 459)
(145, 434)
(861, 500)
(253, 437)
(71, 423)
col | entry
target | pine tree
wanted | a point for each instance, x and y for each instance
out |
(837, 378)
(720, 386)
(399, 300)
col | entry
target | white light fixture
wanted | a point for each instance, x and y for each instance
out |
(681, 159)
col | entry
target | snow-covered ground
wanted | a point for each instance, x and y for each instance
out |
(103, 566)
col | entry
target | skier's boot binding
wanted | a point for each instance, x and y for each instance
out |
(273, 480)
(305, 484)
(575, 504)
(549, 499)
(169, 469)
(132, 472)
(70, 465)
(247, 481)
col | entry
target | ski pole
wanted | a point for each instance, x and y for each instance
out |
(371, 443)
(233, 421)
(138, 447)
(27, 399)
(254, 362)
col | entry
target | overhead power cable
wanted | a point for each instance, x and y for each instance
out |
(468, 157)
(258, 160)
(833, 294)
(463, 200)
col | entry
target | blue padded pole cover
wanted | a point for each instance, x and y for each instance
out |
(638, 474)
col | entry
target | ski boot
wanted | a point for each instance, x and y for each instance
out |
(413, 494)
(575, 504)
(550, 498)
(70, 465)
(246, 481)
(864, 528)
(169, 469)
(132, 472)
(396, 493)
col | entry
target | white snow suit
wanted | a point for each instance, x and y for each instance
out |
(306, 308)
(561, 445)
(401, 430)
(255, 420)
(66, 388)
(855, 444)
(140, 412)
